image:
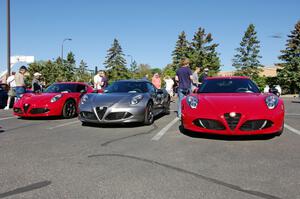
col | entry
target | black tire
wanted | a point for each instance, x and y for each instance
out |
(69, 109)
(167, 106)
(149, 116)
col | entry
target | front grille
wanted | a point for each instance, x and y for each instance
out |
(88, 115)
(39, 110)
(232, 121)
(209, 124)
(18, 110)
(252, 125)
(115, 116)
(26, 107)
(100, 112)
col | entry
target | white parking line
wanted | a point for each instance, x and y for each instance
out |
(62, 125)
(291, 129)
(7, 118)
(164, 130)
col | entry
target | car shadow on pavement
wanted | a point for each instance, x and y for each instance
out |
(225, 137)
(122, 125)
(43, 118)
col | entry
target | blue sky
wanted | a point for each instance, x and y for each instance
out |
(147, 30)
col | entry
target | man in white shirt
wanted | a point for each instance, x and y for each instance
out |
(11, 82)
(97, 81)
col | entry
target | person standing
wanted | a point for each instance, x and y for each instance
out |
(184, 77)
(97, 81)
(204, 75)
(156, 81)
(20, 82)
(104, 80)
(169, 85)
(37, 86)
(11, 82)
(195, 82)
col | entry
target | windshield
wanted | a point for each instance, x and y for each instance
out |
(228, 86)
(127, 87)
(60, 88)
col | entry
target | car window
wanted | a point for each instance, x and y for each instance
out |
(126, 87)
(59, 88)
(80, 87)
(150, 88)
(228, 86)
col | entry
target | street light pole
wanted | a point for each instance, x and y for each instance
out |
(8, 35)
(62, 48)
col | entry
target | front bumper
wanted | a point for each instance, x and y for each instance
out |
(111, 114)
(36, 110)
(273, 123)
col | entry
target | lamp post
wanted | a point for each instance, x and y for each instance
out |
(8, 35)
(62, 48)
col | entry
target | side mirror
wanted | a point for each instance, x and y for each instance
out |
(83, 91)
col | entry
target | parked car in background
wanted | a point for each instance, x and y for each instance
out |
(123, 102)
(3, 95)
(232, 106)
(59, 99)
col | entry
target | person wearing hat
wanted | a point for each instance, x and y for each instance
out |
(20, 82)
(204, 74)
(37, 86)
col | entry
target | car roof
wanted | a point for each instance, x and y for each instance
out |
(82, 83)
(228, 77)
(133, 80)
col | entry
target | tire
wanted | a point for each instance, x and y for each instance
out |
(149, 116)
(69, 109)
(167, 107)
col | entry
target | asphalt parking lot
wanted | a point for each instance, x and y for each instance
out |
(57, 158)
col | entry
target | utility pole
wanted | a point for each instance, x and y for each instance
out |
(8, 35)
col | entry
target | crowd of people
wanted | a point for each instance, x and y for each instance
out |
(182, 84)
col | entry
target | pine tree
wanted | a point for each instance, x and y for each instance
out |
(115, 62)
(181, 50)
(134, 70)
(289, 75)
(246, 61)
(203, 52)
(81, 74)
(71, 58)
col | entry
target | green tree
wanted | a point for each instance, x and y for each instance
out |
(169, 71)
(71, 58)
(81, 74)
(144, 69)
(203, 52)
(246, 61)
(181, 50)
(289, 74)
(134, 70)
(115, 62)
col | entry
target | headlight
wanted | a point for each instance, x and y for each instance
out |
(271, 101)
(56, 97)
(136, 99)
(84, 99)
(192, 101)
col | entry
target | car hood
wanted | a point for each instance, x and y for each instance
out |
(233, 102)
(41, 98)
(109, 99)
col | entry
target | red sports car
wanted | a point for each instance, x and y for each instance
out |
(59, 99)
(232, 106)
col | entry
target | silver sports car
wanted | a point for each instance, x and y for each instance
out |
(124, 101)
